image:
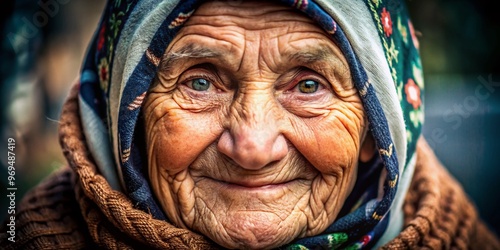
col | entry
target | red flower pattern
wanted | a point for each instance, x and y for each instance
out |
(104, 73)
(366, 239)
(413, 94)
(386, 22)
(102, 39)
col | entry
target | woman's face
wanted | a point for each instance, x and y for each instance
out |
(253, 126)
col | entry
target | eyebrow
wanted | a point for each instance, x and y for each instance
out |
(308, 57)
(192, 51)
(187, 52)
(320, 53)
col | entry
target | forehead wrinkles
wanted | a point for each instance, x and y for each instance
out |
(278, 34)
(249, 15)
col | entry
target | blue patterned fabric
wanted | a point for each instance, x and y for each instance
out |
(122, 61)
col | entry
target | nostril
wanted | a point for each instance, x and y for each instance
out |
(279, 148)
(226, 144)
(253, 151)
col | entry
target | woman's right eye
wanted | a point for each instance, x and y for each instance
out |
(199, 84)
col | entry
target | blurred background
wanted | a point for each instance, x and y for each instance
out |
(43, 46)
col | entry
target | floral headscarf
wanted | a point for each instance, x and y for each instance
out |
(375, 36)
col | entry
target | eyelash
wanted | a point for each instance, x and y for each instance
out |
(305, 76)
(207, 77)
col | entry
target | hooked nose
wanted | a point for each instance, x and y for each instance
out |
(253, 149)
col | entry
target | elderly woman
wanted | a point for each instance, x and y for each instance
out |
(252, 125)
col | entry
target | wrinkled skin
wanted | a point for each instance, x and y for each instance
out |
(253, 126)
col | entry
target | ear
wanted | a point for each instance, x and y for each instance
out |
(368, 148)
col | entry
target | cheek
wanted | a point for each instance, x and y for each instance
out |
(331, 143)
(176, 137)
(330, 150)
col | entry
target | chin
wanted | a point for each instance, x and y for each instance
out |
(247, 230)
(238, 217)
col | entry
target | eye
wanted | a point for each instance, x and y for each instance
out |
(308, 86)
(199, 84)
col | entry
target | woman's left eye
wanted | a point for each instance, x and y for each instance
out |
(308, 86)
(199, 84)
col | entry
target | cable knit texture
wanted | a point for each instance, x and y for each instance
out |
(76, 208)
(438, 214)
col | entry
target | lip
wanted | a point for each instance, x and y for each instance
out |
(257, 186)
(256, 191)
(254, 184)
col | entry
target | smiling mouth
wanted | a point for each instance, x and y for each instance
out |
(254, 185)
(257, 186)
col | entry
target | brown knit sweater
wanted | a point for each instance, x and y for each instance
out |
(75, 208)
